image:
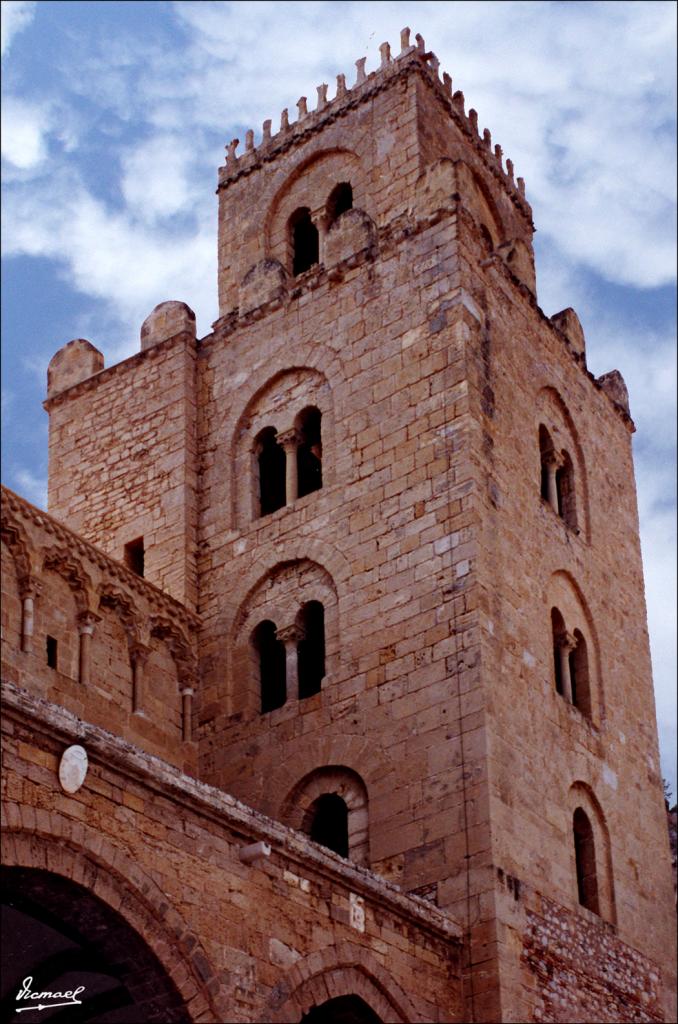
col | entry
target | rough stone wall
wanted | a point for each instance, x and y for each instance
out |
(71, 584)
(241, 942)
(123, 461)
(583, 972)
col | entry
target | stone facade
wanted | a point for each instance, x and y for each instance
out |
(470, 537)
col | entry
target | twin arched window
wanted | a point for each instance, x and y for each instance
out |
(557, 479)
(571, 664)
(291, 661)
(304, 238)
(289, 463)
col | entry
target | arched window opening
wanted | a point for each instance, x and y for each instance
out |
(342, 1010)
(304, 240)
(271, 459)
(557, 631)
(565, 488)
(329, 823)
(309, 452)
(545, 450)
(311, 649)
(272, 676)
(340, 200)
(585, 858)
(579, 675)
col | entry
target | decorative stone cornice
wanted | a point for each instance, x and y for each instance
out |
(16, 509)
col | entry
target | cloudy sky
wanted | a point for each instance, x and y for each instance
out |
(115, 117)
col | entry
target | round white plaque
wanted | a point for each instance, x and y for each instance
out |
(73, 769)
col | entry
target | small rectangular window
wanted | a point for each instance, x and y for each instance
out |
(134, 556)
(51, 652)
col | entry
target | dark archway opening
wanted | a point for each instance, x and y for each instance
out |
(342, 1010)
(61, 936)
(329, 824)
(585, 857)
(309, 452)
(311, 650)
(545, 449)
(579, 675)
(557, 631)
(272, 668)
(271, 459)
(304, 239)
(340, 200)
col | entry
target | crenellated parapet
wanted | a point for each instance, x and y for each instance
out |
(411, 58)
(83, 628)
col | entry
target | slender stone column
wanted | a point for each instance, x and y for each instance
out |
(566, 644)
(186, 713)
(290, 440)
(553, 461)
(29, 589)
(290, 637)
(138, 654)
(86, 624)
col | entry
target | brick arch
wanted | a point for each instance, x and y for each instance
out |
(89, 859)
(564, 593)
(62, 562)
(353, 752)
(582, 795)
(349, 970)
(123, 605)
(344, 782)
(18, 544)
(554, 414)
(178, 645)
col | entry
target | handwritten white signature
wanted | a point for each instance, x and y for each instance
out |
(69, 998)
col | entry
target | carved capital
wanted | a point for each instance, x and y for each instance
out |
(138, 653)
(29, 586)
(553, 459)
(86, 622)
(290, 634)
(289, 439)
(566, 642)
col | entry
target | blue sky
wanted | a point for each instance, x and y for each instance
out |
(115, 118)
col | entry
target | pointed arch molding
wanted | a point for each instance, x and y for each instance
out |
(17, 542)
(89, 859)
(61, 561)
(342, 970)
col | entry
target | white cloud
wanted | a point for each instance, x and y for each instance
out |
(23, 133)
(155, 179)
(16, 15)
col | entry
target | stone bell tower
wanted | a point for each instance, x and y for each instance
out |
(403, 511)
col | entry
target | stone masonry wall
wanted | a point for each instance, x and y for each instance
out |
(123, 461)
(125, 651)
(546, 756)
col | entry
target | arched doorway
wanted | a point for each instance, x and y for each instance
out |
(342, 1010)
(61, 936)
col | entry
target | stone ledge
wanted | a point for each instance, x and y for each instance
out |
(118, 754)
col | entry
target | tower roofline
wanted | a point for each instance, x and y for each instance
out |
(411, 59)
